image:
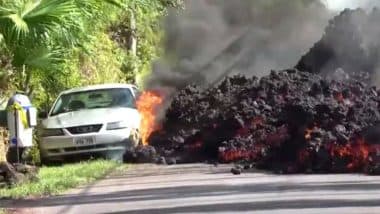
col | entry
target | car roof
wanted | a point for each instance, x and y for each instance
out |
(99, 86)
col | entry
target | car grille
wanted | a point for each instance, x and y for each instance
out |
(85, 129)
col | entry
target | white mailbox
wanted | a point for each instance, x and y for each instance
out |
(21, 118)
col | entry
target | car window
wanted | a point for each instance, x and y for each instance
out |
(104, 98)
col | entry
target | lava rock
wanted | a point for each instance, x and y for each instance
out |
(161, 160)
(12, 176)
(285, 117)
(171, 161)
(23, 168)
(236, 171)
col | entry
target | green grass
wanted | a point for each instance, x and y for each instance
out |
(55, 180)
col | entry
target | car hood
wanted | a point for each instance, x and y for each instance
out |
(93, 116)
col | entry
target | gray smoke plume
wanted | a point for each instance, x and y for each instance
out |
(351, 43)
(214, 38)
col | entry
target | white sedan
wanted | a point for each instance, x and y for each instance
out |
(100, 119)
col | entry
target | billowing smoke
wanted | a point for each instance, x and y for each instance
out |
(211, 39)
(215, 38)
(351, 43)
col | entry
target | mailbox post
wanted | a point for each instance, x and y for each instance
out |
(21, 119)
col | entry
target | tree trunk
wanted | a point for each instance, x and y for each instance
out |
(3, 145)
(23, 80)
(26, 86)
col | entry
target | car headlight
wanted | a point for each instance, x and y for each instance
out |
(117, 125)
(52, 132)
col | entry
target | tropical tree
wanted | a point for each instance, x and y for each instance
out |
(139, 32)
(34, 33)
(39, 37)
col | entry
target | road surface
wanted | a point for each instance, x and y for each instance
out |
(199, 188)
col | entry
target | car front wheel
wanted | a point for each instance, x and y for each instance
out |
(135, 138)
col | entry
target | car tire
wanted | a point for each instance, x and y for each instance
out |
(135, 138)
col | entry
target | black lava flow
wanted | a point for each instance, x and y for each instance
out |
(290, 121)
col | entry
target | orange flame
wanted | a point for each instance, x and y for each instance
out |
(230, 155)
(356, 152)
(147, 104)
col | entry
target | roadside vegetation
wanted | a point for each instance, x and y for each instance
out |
(55, 180)
(47, 46)
(51, 45)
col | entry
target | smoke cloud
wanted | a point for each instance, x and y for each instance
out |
(351, 43)
(215, 38)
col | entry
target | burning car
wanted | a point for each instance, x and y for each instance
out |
(99, 119)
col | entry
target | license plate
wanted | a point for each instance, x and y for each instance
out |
(84, 141)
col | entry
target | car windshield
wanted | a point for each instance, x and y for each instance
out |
(102, 98)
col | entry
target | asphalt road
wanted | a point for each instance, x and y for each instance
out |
(199, 188)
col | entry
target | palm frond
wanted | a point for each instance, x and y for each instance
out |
(42, 58)
(115, 3)
(50, 9)
(35, 19)
(20, 26)
(39, 57)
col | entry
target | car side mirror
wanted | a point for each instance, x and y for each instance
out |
(42, 114)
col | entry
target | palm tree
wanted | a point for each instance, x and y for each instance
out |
(35, 32)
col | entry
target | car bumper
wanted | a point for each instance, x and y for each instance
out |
(59, 146)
